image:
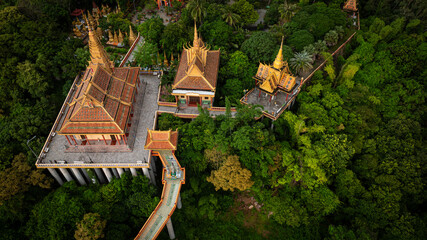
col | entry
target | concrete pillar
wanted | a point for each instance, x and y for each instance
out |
(66, 174)
(115, 172)
(133, 171)
(152, 177)
(153, 163)
(79, 176)
(100, 175)
(121, 171)
(107, 174)
(179, 204)
(55, 175)
(86, 175)
(170, 229)
(146, 173)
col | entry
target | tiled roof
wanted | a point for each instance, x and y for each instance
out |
(161, 140)
(350, 5)
(205, 82)
(101, 102)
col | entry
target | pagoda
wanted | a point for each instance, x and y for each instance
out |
(100, 109)
(350, 5)
(276, 77)
(275, 87)
(195, 80)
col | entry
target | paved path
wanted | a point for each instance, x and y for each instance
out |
(173, 178)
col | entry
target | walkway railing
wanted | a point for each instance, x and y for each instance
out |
(158, 219)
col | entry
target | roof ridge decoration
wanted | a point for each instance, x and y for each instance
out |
(98, 56)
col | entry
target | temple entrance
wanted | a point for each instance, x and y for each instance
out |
(113, 140)
(193, 101)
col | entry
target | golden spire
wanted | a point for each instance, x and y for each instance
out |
(132, 37)
(278, 62)
(196, 38)
(110, 36)
(118, 7)
(99, 32)
(115, 39)
(98, 56)
(165, 62)
(171, 57)
(120, 36)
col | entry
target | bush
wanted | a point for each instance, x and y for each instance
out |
(300, 39)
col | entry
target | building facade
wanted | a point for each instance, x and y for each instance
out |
(196, 78)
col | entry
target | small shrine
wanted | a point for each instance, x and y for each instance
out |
(274, 87)
(195, 81)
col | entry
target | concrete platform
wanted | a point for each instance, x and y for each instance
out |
(60, 156)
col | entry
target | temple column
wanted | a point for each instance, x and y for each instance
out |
(170, 229)
(100, 175)
(152, 177)
(179, 204)
(78, 176)
(107, 174)
(115, 172)
(146, 173)
(86, 175)
(121, 171)
(66, 174)
(126, 169)
(55, 175)
(153, 163)
(133, 171)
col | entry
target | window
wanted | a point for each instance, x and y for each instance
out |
(206, 98)
(182, 96)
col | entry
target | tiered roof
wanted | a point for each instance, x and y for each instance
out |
(161, 140)
(350, 5)
(278, 76)
(103, 99)
(198, 67)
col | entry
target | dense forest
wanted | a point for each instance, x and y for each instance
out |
(345, 162)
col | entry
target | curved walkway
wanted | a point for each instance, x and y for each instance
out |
(173, 177)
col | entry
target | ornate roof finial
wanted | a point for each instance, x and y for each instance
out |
(196, 38)
(98, 56)
(278, 62)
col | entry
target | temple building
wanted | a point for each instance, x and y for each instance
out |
(195, 81)
(274, 87)
(102, 106)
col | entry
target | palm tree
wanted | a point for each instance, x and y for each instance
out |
(320, 46)
(230, 17)
(287, 11)
(301, 62)
(331, 38)
(197, 9)
(310, 49)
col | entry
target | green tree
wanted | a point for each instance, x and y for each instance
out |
(231, 176)
(246, 11)
(260, 47)
(20, 177)
(300, 39)
(301, 62)
(287, 11)
(152, 30)
(230, 17)
(146, 55)
(90, 227)
(197, 9)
